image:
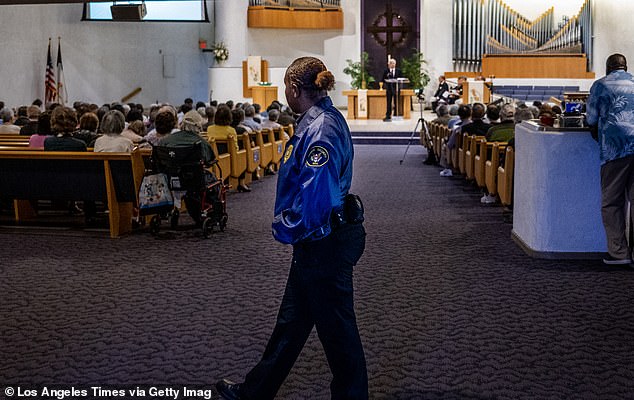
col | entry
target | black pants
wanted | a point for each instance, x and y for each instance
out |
(617, 188)
(318, 293)
(390, 97)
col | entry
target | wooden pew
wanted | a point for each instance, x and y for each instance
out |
(462, 152)
(279, 144)
(253, 157)
(290, 130)
(491, 167)
(14, 140)
(114, 178)
(505, 177)
(484, 156)
(222, 169)
(454, 153)
(264, 139)
(238, 158)
(470, 155)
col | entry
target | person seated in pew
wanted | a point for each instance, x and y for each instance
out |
(63, 125)
(477, 126)
(493, 114)
(237, 119)
(271, 121)
(22, 117)
(111, 141)
(258, 117)
(222, 130)
(505, 130)
(88, 125)
(453, 114)
(464, 112)
(164, 124)
(189, 134)
(36, 141)
(443, 117)
(6, 115)
(287, 117)
(33, 113)
(249, 115)
(135, 132)
(211, 115)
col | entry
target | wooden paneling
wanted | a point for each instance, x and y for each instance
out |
(377, 103)
(293, 18)
(246, 90)
(264, 95)
(563, 66)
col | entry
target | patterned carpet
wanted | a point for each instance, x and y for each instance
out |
(448, 306)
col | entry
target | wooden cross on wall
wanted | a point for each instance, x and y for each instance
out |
(385, 23)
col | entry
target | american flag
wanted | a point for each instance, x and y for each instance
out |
(50, 92)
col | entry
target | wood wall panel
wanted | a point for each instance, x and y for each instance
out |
(562, 66)
(293, 18)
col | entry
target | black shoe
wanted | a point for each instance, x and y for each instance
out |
(243, 188)
(228, 390)
(609, 260)
(73, 209)
(269, 171)
(387, 119)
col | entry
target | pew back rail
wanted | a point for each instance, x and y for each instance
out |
(114, 178)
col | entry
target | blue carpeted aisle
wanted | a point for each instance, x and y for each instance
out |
(448, 306)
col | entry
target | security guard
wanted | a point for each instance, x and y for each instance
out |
(314, 213)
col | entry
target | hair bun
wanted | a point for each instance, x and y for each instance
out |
(325, 80)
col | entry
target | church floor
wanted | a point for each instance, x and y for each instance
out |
(448, 306)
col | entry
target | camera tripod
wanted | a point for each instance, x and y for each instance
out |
(424, 130)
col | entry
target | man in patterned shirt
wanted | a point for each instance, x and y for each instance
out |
(610, 108)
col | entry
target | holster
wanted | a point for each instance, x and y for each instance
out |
(353, 209)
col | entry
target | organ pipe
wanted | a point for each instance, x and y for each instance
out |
(492, 27)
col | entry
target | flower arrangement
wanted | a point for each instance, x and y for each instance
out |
(221, 53)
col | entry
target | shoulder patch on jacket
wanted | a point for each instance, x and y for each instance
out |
(317, 156)
(289, 151)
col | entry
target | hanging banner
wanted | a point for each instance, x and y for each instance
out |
(362, 104)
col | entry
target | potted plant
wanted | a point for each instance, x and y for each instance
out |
(413, 68)
(358, 72)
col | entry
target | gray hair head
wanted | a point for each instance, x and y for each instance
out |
(453, 110)
(192, 122)
(113, 122)
(249, 111)
(6, 114)
(274, 115)
(523, 114)
(442, 110)
(507, 112)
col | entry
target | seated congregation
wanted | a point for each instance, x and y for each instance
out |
(477, 142)
(238, 143)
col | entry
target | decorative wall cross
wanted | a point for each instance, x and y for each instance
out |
(389, 29)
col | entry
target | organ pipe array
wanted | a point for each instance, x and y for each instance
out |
(492, 27)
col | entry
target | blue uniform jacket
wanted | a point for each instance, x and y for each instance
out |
(315, 175)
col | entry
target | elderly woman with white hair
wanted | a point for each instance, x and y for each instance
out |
(191, 127)
(112, 125)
